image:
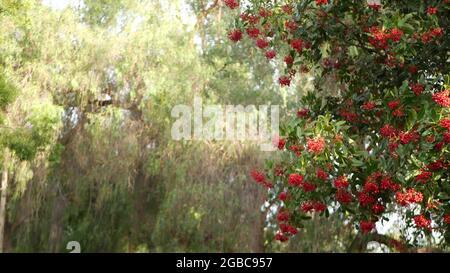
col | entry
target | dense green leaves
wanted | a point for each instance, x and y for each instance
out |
(7, 92)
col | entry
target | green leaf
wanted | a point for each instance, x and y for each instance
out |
(411, 119)
(353, 51)
(305, 217)
(357, 163)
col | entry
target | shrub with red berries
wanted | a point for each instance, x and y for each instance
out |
(381, 147)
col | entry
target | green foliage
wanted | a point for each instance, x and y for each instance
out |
(103, 12)
(7, 92)
(55, 155)
(12, 6)
(45, 120)
(22, 144)
(26, 142)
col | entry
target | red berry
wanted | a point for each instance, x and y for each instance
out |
(378, 209)
(417, 88)
(368, 106)
(388, 131)
(393, 104)
(308, 187)
(446, 219)
(423, 177)
(295, 179)
(321, 174)
(297, 44)
(284, 81)
(422, 222)
(261, 43)
(235, 35)
(366, 226)
(258, 176)
(343, 196)
(253, 32)
(283, 196)
(445, 123)
(287, 9)
(432, 10)
(232, 4)
(442, 98)
(321, 2)
(374, 6)
(341, 182)
(316, 145)
(289, 59)
(302, 113)
(271, 54)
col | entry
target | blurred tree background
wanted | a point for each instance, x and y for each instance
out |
(86, 94)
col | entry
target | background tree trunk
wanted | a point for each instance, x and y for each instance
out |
(56, 228)
(3, 199)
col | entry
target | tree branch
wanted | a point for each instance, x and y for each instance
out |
(359, 244)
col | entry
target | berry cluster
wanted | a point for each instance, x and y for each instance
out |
(382, 143)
